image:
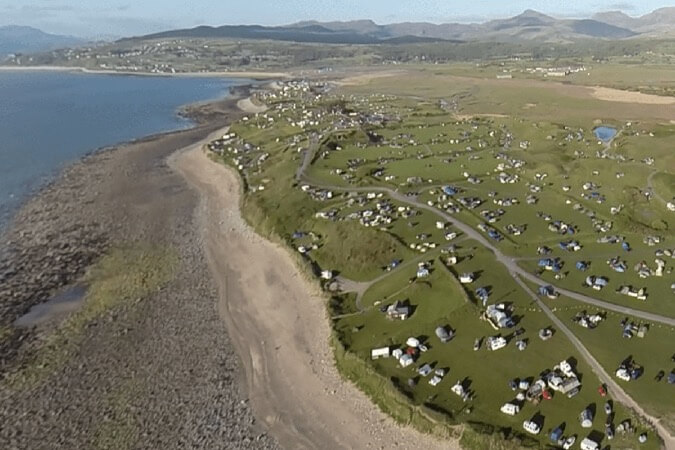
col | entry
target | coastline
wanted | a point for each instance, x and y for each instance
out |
(254, 75)
(133, 197)
(166, 352)
(278, 321)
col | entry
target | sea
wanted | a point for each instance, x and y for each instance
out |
(51, 119)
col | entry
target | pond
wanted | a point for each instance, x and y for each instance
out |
(57, 307)
(604, 133)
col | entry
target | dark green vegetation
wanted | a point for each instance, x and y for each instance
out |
(317, 167)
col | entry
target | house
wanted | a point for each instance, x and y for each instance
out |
(398, 311)
(495, 343)
(378, 353)
(531, 427)
(510, 409)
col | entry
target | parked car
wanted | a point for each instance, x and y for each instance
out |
(569, 442)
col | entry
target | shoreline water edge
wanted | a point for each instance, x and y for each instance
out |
(172, 353)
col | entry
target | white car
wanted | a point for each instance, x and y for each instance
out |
(569, 442)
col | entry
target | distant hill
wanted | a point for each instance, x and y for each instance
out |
(528, 26)
(658, 22)
(309, 33)
(20, 39)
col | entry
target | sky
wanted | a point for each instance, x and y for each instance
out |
(116, 18)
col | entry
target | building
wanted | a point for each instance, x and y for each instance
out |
(398, 311)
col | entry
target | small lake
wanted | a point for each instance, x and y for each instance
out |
(604, 133)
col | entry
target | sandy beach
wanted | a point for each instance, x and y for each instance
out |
(253, 75)
(278, 323)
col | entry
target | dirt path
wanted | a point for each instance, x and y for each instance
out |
(278, 324)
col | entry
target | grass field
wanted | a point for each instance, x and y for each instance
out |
(529, 142)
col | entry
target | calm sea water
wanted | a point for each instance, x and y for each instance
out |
(48, 120)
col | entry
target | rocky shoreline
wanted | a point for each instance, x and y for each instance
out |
(156, 373)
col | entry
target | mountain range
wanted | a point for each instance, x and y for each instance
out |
(21, 39)
(528, 26)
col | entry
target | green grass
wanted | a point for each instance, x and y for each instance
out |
(606, 344)
(436, 146)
